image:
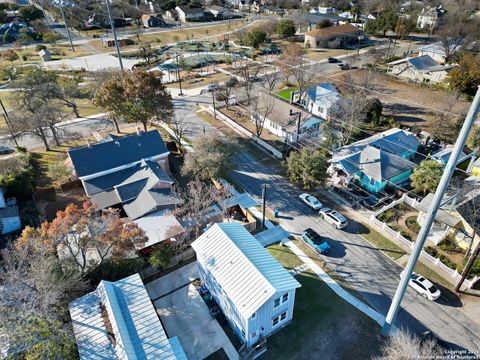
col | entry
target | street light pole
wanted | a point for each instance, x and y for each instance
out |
(432, 211)
(112, 25)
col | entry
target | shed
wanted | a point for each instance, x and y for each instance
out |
(45, 55)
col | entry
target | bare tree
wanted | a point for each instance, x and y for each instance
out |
(271, 78)
(34, 294)
(452, 32)
(198, 199)
(260, 111)
(249, 75)
(302, 77)
(402, 344)
(350, 113)
(289, 60)
(444, 125)
(226, 90)
(180, 128)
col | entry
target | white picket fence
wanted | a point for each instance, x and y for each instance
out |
(240, 129)
(433, 260)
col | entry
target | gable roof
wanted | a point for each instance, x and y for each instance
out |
(138, 331)
(376, 164)
(117, 152)
(242, 267)
(330, 31)
(159, 227)
(140, 189)
(324, 94)
(281, 110)
(395, 141)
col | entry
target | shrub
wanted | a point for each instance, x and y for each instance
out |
(412, 224)
(40, 47)
(448, 262)
(430, 250)
(386, 216)
(474, 270)
(16, 176)
(58, 172)
(405, 234)
(160, 257)
(449, 246)
(115, 269)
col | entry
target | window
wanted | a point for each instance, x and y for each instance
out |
(276, 303)
(253, 335)
(254, 315)
(285, 298)
(275, 321)
(283, 316)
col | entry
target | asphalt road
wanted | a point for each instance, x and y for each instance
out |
(370, 272)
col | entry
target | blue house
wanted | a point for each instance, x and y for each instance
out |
(377, 161)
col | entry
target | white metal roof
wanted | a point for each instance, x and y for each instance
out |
(137, 329)
(159, 227)
(245, 271)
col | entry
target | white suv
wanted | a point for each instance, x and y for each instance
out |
(333, 217)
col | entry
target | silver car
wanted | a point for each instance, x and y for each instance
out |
(333, 217)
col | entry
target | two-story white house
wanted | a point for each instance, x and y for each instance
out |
(254, 291)
(429, 16)
(189, 14)
(320, 100)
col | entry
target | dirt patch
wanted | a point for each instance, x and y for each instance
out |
(410, 104)
(76, 196)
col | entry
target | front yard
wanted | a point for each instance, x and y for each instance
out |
(324, 325)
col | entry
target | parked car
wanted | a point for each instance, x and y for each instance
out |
(311, 201)
(333, 217)
(373, 202)
(4, 149)
(333, 60)
(317, 241)
(424, 286)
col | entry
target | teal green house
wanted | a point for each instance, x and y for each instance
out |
(381, 160)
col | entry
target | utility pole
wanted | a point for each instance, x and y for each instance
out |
(7, 121)
(432, 211)
(112, 24)
(264, 203)
(178, 76)
(213, 103)
(468, 266)
(61, 4)
(299, 119)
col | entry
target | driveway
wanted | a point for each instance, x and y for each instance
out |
(184, 314)
(170, 282)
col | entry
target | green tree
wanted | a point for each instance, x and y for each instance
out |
(466, 77)
(211, 157)
(30, 13)
(286, 28)
(373, 110)
(309, 167)
(387, 20)
(255, 37)
(160, 257)
(426, 176)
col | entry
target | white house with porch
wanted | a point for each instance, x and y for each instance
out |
(254, 291)
(321, 100)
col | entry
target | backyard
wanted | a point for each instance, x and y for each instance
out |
(323, 323)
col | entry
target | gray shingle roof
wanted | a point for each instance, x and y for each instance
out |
(117, 152)
(377, 164)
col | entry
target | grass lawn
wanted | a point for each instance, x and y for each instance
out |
(382, 243)
(284, 256)
(285, 93)
(323, 323)
(174, 35)
(324, 327)
(320, 54)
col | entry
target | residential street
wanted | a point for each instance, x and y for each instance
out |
(369, 272)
